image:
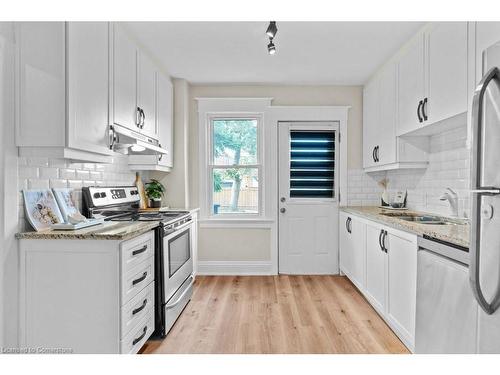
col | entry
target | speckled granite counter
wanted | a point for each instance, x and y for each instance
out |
(106, 231)
(456, 234)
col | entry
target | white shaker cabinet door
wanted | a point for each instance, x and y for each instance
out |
(402, 285)
(411, 89)
(385, 132)
(370, 122)
(376, 267)
(87, 74)
(146, 80)
(165, 114)
(124, 80)
(447, 64)
(345, 243)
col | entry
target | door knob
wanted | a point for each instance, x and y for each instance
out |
(282, 210)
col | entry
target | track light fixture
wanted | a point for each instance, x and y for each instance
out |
(271, 48)
(271, 33)
(272, 29)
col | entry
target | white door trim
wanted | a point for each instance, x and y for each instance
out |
(274, 116)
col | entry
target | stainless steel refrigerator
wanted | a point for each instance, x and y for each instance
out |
(484, 252)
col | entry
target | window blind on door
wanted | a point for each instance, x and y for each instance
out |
(312, 164)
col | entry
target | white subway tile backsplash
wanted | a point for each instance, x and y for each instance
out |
(448, 167)
(45, 173)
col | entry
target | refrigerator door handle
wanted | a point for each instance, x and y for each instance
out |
(475, 245)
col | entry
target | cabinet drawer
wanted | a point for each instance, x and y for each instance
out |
(139, 307)
(138, 335)
(137, 250)
(137, 279)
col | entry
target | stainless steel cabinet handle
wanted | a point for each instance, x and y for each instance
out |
(161, 155)
(138, 117)
(486, 191)
(475, 242)
(139, 309)
(137, 281)
(112, 137)
(139, 251)
(418, 111)
(282, 210)
(143, 116)
(380, 240)
(144, 330)
(424, 109)
(383, 241)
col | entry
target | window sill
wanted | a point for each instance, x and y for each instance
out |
(217, 222)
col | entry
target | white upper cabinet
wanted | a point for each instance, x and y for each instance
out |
(88, 77)
(432, 79)
(487, 34)
(134, 86)
(164, 106)
(382, 150)
(370, 122)
(62, 89)
(411, 90)
(125, 111)
(165, 119)
(447, 67)
(146, 80)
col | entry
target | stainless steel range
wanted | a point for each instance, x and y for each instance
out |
(173, 246)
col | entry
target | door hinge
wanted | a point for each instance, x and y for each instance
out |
(340, 137)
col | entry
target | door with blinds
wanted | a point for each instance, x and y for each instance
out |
(308, 198)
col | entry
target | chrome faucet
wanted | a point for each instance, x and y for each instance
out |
(452, 197)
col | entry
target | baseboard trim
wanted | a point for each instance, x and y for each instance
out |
(235, 268)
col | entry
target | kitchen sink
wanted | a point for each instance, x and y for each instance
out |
(425, 219)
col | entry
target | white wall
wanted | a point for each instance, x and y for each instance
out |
(448, 167)
(255, 244)
(8, 192)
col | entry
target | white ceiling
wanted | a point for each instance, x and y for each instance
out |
(324, 53)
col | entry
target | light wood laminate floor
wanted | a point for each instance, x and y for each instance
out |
(277, 314)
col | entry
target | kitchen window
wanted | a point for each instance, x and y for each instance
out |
(234, 166)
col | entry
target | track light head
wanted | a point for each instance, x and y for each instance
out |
(271, 48)
(272, 29)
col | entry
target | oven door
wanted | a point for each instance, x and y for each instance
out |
(177, 258)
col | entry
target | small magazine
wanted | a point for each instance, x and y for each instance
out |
(42, 210)
(66, 198)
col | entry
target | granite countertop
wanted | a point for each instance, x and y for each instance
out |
(455, 234)
(109, 230)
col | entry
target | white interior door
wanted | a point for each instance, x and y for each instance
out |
(308, 198)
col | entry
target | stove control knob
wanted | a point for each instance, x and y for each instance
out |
(96, 195)
(103, 195)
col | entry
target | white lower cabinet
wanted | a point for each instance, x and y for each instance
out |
(387, 259)
(402, 285)
(352, 248)
(376, 268)
(87, 296)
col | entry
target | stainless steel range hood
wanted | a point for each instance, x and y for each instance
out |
(126, 141)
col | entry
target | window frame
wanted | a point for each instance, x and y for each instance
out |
(210, 165)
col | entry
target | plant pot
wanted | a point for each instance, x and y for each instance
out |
(155, 203)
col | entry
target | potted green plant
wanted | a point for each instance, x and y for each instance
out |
(154, 191)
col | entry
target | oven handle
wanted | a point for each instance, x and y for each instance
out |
(173, 304)
(178, 229)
